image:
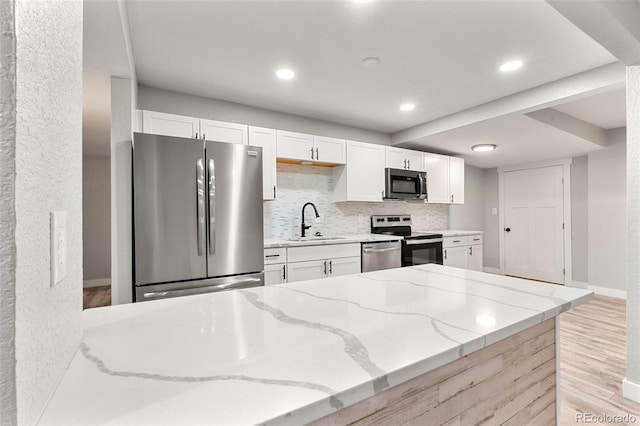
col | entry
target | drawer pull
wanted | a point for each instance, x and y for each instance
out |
(457, 241)
(476, 239)
(272, 255)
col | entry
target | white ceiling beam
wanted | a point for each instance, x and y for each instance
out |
(570, 124)
(577, 86)
(615, 25)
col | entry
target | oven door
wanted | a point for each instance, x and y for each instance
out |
(420, 252)
(405, 184)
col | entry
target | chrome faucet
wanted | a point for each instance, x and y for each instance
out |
(305, 227)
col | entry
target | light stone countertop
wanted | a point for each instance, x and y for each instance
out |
(454, 232)
(292, 353)
(342, 239)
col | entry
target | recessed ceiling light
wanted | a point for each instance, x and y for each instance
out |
(407, 107)
(511, 65)
(285, 74)
(483, 147)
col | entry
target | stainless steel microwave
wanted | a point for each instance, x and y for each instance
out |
(405, 184)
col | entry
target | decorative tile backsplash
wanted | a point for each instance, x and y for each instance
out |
(299, 184)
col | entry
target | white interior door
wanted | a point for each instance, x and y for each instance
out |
(533, 224)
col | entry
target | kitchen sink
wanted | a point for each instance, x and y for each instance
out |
(316, 238)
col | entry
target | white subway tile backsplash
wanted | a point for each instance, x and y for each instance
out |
(299, 184)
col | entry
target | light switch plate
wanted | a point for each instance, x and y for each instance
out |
(494, 211)
(58, 222)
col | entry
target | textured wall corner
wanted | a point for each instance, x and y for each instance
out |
(48, 177)
(8, 409)
(633, 224)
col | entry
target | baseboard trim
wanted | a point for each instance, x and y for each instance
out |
(580, 284)
(492, 270)
(96, 283)
(631, 390)
(611, 292)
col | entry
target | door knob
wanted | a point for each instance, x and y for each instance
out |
(507, 229)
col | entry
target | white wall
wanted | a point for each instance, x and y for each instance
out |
(490, 241)
(607, 204)
(96, 213)
(179, 103)
(8, 407)
(122, 96)
(48, 161)
(470, 215)
(298, 184)
(579, 222)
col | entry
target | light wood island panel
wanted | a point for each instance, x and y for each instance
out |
(511, 382)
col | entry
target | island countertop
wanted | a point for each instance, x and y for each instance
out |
(290, 353)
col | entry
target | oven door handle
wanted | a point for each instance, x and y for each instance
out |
(413, 242)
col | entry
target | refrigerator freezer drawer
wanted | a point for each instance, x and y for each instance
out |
(188, 288)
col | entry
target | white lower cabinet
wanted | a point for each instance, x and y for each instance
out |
(315, 262)
(302, 271)
(463, 252)
(275, 274)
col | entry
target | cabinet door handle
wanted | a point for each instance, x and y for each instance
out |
(312, 153)
(274, 191)
(317, 154)
(408, 164)
(445, 255)
(330, 267)
(452, 198)
(325, 267)
(405, 164)
(471, 251)
(196, 135)
(203, 136)
(284, 272)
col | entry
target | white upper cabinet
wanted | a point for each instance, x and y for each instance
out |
(221, 131)
(266, 139)
(329, 150)
(160, 123)
(362, 178)
(303, 147)
(456, 180)
(445, 179)
(437, 167)
(294, 146)
(398, 158)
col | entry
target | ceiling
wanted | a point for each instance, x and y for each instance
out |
(441, 55)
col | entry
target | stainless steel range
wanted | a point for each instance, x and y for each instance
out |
(418, 248)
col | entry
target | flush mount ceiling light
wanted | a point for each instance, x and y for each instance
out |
(511, 65)
(285, 74)
(407, 107)
(483, 147)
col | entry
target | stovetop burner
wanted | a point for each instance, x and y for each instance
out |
(398, 225)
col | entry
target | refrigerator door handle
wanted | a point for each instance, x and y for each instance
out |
(200, 206)
(212, 207)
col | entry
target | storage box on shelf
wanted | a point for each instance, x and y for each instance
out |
(463, 252)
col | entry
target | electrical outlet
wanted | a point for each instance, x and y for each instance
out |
(360, 218)
(58, 224)
(494, 211)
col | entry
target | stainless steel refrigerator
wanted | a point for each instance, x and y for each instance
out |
(197, 216)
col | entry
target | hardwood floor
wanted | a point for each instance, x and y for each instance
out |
(592, 361)
(592, 356)
(94, 297)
